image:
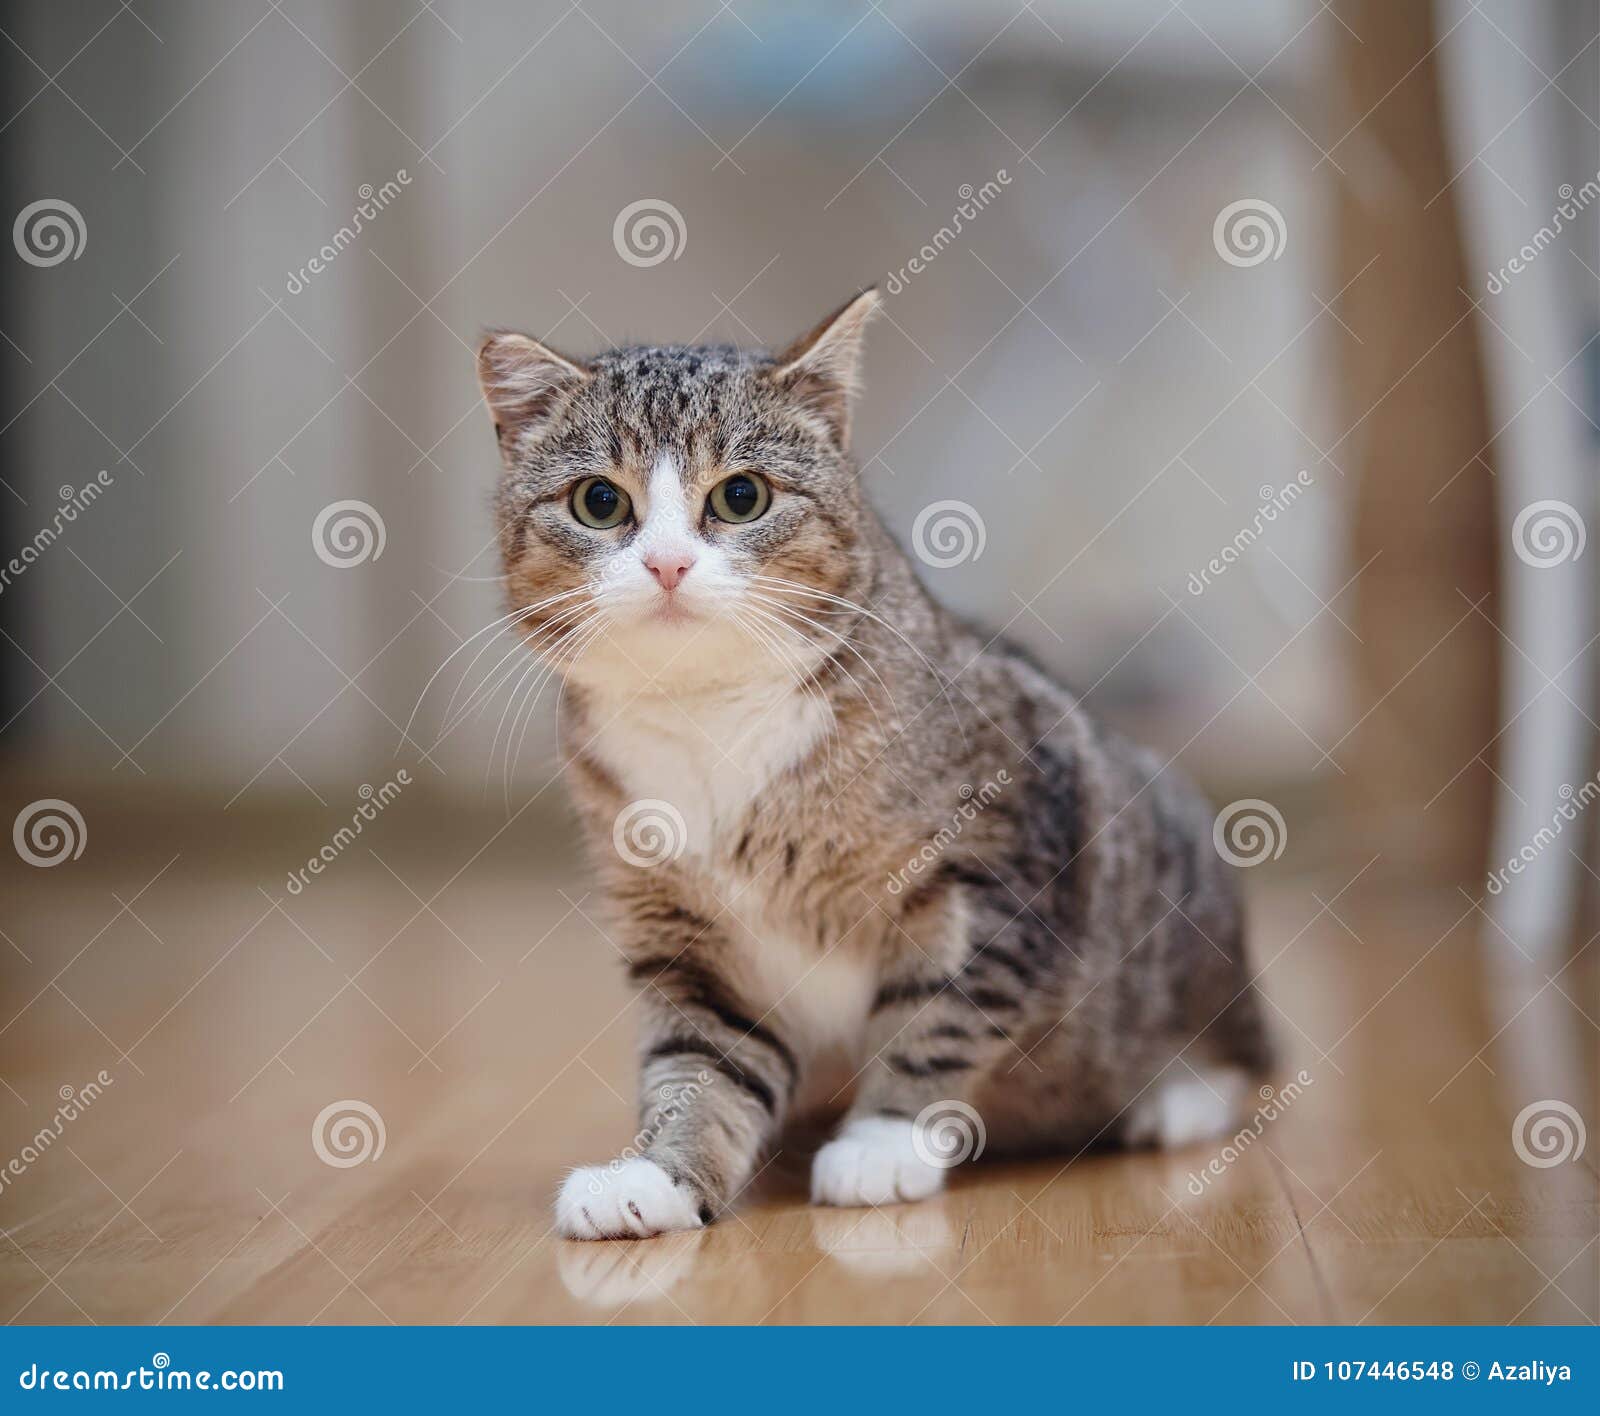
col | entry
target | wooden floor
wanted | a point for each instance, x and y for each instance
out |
(461, 990)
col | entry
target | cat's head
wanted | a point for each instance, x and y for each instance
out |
(663, 509)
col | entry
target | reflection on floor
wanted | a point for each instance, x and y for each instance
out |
(463, 992)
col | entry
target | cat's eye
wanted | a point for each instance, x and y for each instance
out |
(599, 504)
(741, 497)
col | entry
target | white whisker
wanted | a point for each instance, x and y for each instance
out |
(842, 641)
(865, 697)
(495, 624)
(521, 619)
(793, 587)
(561, 624)
(769, 643)
(565, 658)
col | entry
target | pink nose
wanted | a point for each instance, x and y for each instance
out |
(669, 568)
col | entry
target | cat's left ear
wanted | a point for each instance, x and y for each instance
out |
(524, 383)
(823, 368)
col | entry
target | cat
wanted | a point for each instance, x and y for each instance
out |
(848, 845)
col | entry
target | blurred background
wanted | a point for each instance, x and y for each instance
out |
(1258, 336)
(1078, 361)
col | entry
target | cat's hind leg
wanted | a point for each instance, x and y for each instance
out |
(1182, 1107)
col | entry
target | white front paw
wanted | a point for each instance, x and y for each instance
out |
(873, 1161)
(628, 1199)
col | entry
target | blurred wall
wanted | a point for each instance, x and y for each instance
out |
(1080, 364)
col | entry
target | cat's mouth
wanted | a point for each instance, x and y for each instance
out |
(670, 609)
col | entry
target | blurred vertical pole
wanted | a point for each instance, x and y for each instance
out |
(12, 397)
(1422, 495)
(1537, 391)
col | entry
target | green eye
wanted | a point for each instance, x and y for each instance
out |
(596, 503)
(742, 497)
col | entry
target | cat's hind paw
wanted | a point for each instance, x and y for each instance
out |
(1185, 1108)
(873, 1161)
(628, 1199)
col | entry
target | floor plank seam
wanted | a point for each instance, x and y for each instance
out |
(1330, 1308)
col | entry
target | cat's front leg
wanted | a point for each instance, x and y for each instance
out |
(714, 1084)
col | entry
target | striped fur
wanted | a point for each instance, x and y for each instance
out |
(907, 856)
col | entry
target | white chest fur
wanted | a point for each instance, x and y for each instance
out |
(819, 993)
(708, 754)
(711, 756)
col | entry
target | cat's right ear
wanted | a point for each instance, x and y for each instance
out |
(822, 369)
(524, 383)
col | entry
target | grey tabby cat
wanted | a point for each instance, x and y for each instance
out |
(850, 847)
